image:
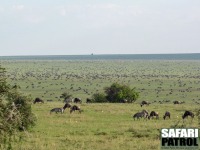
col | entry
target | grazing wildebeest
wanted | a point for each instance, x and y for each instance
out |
(167, 114)
(124, 101)
(187, 113)
(152, 114)
(88, 100)
(142, 114)
(176, 102)
(77, 100)
(38, 100)
(67, 105)
(74, 108)
(144, 103)
(56, 110)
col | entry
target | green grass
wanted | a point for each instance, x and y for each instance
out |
(101, 126)
(104, 126)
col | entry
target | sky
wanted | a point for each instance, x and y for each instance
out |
(76, 27)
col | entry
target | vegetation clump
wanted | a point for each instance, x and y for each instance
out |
(15, 112)
(116, 93)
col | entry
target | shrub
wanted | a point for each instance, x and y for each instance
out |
(15, 112)
(117, 92)
(99, 98)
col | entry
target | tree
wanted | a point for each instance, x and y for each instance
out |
(117, 92)
(15, 112)
(99, 98)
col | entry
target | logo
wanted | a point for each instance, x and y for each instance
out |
(180, 139)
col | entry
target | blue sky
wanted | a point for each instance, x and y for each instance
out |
(67, 27)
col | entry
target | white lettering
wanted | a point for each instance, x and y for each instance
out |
(190, 132)
(183, 133)
(196, 133)
(178, 132)
(164, 133)
(172, 133)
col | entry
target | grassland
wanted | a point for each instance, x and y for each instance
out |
(104, 126)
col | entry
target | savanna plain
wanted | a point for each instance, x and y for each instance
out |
(104, 126)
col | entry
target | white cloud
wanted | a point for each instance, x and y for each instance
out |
(63, 12)
(18, 7)
(35, 19)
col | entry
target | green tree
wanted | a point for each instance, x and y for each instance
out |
(117, 92)
(15, 112)
(99, 98)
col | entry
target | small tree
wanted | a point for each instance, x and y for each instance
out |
(15, 112)
(99, 98)
(116, 92)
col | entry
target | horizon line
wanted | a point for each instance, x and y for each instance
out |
(92, 54)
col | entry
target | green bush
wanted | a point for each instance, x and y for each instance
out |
(99, 98)
(116, 93)
(15, 112)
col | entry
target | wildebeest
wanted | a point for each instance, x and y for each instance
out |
(124, 101)
(74, 108)
(88, 100)
(142, 114)
(56, 110)
(176, 102)
(67, 105)
(187, 113)
(144, 103)
(152, 114)
(38, 100)
(167, 114)
(77, 100)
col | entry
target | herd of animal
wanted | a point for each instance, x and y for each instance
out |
(143, 114)
(67, 105)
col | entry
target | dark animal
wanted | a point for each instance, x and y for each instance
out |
(88, 100)
(167, 114)
(124, 101)
(77, 100)
(142, 114)
(153, 114)
(67, 105)
(144, 103)
(187, 113)
(56, 110)
(74, 108)
(176, 102)
(38, 100)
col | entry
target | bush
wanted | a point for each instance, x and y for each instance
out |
(15, 112)
(116, 93)
(99, 98)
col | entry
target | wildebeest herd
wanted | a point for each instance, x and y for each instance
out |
(67, 105)
(143, 114)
